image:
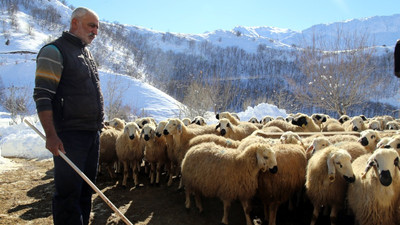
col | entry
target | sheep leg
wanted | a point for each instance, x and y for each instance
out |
(227, 206)
(152, 172)
(158, 172)
(315, 215)
(171, 174)
(273, 209)
(187, 201)
(126, 172)
(135, 172)
(197, 199)
(247, 209)
(333, 215)
(110, 170)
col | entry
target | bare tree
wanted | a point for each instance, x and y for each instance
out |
(113, 105)
(337, 71)
(17, 101)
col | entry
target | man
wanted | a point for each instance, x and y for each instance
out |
(69, 103)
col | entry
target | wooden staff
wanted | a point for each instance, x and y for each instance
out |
(84, 177)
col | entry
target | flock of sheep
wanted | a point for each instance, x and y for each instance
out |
(350, 162)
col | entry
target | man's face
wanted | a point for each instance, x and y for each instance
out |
(85, 27)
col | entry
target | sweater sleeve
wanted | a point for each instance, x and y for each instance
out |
(49, 68)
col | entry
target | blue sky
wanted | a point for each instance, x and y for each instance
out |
(196, 17)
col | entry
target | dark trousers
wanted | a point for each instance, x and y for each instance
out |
(72, 199)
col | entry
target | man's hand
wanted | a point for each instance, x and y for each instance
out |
(53, 144)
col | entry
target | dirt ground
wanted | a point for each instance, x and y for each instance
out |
(25, 198)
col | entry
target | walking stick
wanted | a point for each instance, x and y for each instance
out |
(84, 177)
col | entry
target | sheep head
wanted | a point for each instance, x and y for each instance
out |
(253, 120)
(132, 130)
(116, 123)
(266, 158)
(160, 128)
(318, 144)
(343, 118)
(224, 126)
(340, 160)
(385, 162)
(186, 121)
(199, 120)
(357, 124)
(173, 127)
(266, 119)
(148, 132)
(300, 121)
(394, 143)
(319, 118)
(290, 137)
(374, 125)
(369, 138)
(392, 125)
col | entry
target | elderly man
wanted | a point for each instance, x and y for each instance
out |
(69, 103)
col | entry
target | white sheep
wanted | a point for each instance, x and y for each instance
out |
(374, 196)
(253, 120)
(199, 120)
(172, 159)
(235, 132)
(383, 142)
(219, 140)
(355, 124)
(108, 137)
(343, 118)
(155, 152)
(319, 119)
(144, 120)
(229, 116)
(266, 119)
(328, 172)
(214, 171)
(130, 151)
(275, 189)
(289, 137)
(374, 125)
(354, 148)
(369, 139)
(332, 125)
(392, 125)
(182, 135)
(394, 142)
(283, 125)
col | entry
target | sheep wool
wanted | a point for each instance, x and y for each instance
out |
(214, 171)
(328, 172)
(374, 196)
(275, 189)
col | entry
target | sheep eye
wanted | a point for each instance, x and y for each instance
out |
(340, 165)
(396, 162)
(373, 136)
(398, 146)
(266, 157)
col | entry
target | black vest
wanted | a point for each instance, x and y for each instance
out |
(78, 103)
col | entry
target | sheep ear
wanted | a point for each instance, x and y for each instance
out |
(141, 134)
(309, 149)
(396, 163)
(218, 125)
(370, 164)
(331, 167)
